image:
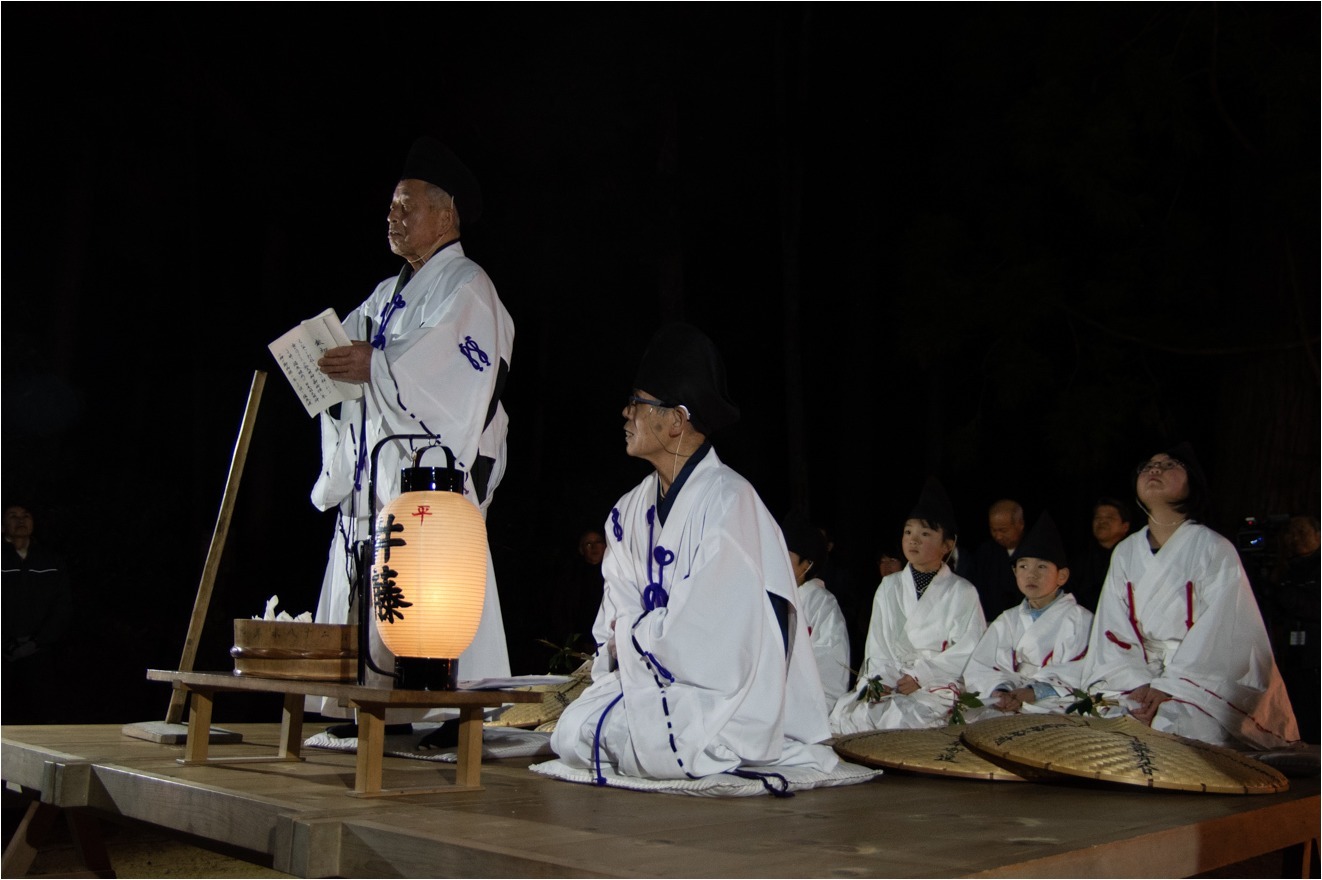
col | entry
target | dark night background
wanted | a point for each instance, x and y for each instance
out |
(1020, 247)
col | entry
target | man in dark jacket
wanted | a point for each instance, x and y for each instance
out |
(37, 607)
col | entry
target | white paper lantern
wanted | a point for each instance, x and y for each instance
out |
(429, 573)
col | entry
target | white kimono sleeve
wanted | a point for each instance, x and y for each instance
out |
(830, 638)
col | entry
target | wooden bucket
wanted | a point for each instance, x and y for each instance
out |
(293, 650)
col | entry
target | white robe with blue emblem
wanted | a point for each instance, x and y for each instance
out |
(701, 683)
(437, 374)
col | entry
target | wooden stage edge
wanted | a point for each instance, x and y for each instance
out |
(298, 817)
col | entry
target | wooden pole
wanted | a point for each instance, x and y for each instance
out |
(175, 713)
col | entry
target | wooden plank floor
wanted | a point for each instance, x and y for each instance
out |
(298, 819)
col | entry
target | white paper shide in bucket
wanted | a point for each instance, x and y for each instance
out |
(281, 646)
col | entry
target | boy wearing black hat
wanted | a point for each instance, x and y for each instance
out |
(926, 621)
(432, 349)
(1022, 661)
(703, 664)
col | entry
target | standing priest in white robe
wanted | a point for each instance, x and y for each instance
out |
(432, 349)
(1027, 659)
(703, 664)
(1178, 640)
(926, 621)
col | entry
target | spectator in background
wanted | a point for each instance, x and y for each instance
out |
(572, 606)
(37, 608)
(889, 562)
(592, 547)
(992, 574)
(1110, 524)
(1300, 543)
(1293, 611)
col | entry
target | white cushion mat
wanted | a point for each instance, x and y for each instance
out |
(497, 742)
(717, 785)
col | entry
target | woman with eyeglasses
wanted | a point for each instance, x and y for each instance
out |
(1178, 641)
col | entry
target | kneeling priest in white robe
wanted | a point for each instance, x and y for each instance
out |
(703, 664)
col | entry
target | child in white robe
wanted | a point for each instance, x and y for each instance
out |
(1178, 641)
(926, 621)
(819, 607)
(1023, 663)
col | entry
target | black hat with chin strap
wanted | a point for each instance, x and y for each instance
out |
(934, 507)
(432, 161)
(804, 539)
(1043, 542)
(682, 367)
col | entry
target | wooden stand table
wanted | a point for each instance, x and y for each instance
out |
(371, 704)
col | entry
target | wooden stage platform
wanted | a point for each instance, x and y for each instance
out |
(299, 818)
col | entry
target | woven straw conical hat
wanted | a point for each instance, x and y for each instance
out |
(938, 751)
(1121, 750)
(555, 697)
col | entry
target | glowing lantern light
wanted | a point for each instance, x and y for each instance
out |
(429, 576)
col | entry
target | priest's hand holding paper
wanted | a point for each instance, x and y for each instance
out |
(348, 363)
